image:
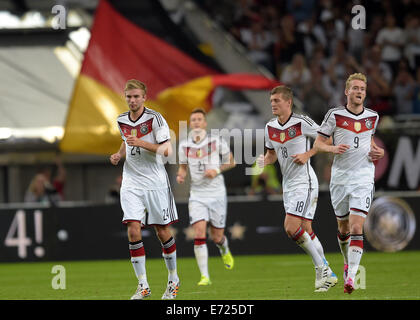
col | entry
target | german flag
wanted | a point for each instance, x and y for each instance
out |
(120, 50)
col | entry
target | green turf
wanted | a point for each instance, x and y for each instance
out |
(261, 277)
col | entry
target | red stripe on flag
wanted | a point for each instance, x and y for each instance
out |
(120, 50)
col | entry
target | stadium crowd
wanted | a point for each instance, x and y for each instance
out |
(312, 47)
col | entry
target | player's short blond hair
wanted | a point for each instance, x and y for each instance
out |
(199, 110)
(355, 76)
(286, 92)
(135, 84)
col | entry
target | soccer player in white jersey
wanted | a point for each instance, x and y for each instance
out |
(206, 157)
(352, 174)
(287, 139)
(146, 196)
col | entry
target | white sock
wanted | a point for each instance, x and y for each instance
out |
(318, 246)
(138, 260)
(343, 242)
(170, 261)
(139, 265)
(355, 254)
(202, 255)
(169, 255)
(223, 246)
(303, 240)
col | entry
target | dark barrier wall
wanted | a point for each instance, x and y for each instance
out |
(399, 169)
(96, 232)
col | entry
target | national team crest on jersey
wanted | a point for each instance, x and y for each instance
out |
(369, 123)
(144, 129)
(291, 132)
(285, 135)
(197, 153)
(137, 131)
(357, 126)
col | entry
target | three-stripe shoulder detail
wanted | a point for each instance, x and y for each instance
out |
(157, 116)
(370, 110)
(123, 114)
(306, 119)
(331, 111)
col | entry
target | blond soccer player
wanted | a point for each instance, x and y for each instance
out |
(352, 174)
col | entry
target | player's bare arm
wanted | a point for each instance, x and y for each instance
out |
(302, 158)
(116, 157)
(164, 149)
(212, 173)
(269, 158)
(182, 173)
(375, 152)
(321, 145)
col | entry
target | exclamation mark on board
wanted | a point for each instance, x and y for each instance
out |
(39, 251)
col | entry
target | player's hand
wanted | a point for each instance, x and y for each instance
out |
(132, 141)
(375, 153)
(210, 173)
(260, 161)
(115, 158)
(180, 179)
(340, 149)
(300, 158)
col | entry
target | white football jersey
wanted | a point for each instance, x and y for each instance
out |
(144, 169)
(290, 138)
(209, 153)
(355, 130)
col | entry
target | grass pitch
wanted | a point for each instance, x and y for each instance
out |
(393, 276)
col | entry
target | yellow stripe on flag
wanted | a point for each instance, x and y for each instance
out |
(176, 103)
(91, 122)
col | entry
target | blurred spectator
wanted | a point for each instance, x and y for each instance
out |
(40, 190)
(378, 93)
(36, 191)
(44, 188)
(113, 194)
(259, 42)
(310, 42)
(403, 91)
(270, 17)
(288, 43)
(412, 38)
(374, 28)
(371, 60)
(266, 182)
(296, 75)
(356, 46)
(316, 95)
(318, 57)
(58, 182)
(416, 93)
(244, 9)
(340, 66)
(391, 40)
(329, 31)
(300, 9)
